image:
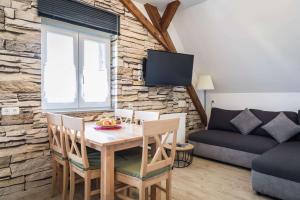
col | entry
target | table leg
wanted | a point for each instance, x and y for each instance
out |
(155, 193)
(107, 173)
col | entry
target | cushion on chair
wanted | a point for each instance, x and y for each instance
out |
(58, 155)
(128, 152)
(220, 119)
(94, 161)
(131, 166)
(250, 143)
(282, 161)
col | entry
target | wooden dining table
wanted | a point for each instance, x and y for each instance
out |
(108, 142)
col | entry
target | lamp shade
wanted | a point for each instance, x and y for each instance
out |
(205, 83)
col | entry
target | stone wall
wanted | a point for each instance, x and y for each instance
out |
(25, 167)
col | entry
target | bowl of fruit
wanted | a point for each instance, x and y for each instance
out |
(107, 123)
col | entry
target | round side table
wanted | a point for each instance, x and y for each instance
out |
(184, 154)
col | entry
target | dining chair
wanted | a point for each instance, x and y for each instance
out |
(58, 152)
(84, 161)
(125, 115)
(144, 171)
(141, 116)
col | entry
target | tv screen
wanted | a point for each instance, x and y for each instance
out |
(166, 68)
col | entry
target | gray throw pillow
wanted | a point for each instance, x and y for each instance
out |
(282, 128)
(246, 122)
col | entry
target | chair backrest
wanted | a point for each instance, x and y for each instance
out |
(56, 134)
(124, 115)
(74, 131)
(160, 130)
(141, 116)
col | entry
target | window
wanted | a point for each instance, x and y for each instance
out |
(75, 67)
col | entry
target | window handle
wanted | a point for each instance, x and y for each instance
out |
(82, 79)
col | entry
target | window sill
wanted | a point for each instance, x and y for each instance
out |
(83, 110)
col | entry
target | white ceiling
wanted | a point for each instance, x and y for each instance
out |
(161, 4)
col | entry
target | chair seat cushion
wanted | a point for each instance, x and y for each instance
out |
(94, 158)
(58, 155)
(247, 143)
(282, 161)
(131, 166)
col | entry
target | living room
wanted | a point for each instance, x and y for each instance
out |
(149, 99)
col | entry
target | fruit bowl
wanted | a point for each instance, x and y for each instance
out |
(106, 124)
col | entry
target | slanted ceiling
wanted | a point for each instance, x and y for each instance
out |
(247, 46)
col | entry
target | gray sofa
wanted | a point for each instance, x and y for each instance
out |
(275, 168)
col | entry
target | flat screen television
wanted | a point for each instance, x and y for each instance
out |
(166, 68)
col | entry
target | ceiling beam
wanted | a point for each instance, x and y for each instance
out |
(156, 19)
(140, 16)
(169, 14)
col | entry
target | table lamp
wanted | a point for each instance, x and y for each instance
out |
(205, 83)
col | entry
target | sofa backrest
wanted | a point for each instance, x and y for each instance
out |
(267, 116)
(220, 119)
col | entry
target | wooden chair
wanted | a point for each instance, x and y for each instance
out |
(124, 115)
(141, 116)
(59, 154)
(83, 161)
(144, 171)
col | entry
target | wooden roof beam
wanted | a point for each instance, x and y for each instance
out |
(156, 21)
(169, 14)
(140, 16)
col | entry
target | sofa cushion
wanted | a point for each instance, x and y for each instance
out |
(246, 122)
(266, 117)
(282, 161)
(282, 128)
(220, 119)
(250, 143)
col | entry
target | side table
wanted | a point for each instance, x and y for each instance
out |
(184, 154)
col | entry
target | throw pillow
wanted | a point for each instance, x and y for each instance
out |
(246, 122)
(282, 128)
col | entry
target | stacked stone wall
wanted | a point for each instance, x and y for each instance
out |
(25, 164)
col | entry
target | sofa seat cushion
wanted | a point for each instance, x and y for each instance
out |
(282, 161)
(250, 143)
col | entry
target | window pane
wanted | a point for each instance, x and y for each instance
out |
(95, 85)
(59, 71)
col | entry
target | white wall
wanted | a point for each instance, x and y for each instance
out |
(264, 101)
(251, 49)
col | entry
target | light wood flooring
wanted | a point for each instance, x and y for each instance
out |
(209, 180)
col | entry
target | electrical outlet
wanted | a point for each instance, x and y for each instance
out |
(10, 111)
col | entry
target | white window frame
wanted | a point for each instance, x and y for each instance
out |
(79, 34)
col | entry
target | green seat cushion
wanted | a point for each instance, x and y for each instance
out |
(94, 161)
(131, 166)
(130, 152)
(58, 155)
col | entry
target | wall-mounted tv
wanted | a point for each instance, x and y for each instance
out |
(166, 68)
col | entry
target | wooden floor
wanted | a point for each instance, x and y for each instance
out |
(209, 180)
